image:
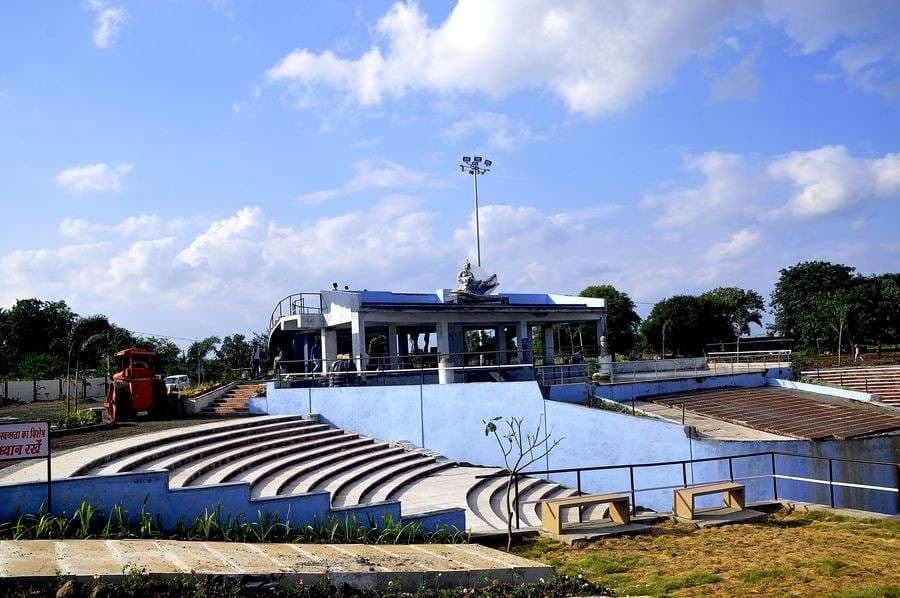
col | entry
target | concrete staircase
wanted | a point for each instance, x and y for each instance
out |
(290, 455)
(881, 381)
(233, 402)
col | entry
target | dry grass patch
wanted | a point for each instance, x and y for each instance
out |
(794, 554)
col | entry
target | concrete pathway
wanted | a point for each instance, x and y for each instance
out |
(359, 565)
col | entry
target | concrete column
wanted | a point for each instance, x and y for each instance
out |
(392, 345)
(445, 375)
(329, 348)
(523, 342)
(548, 342)
(601, 329)
(500, 337)
(358, 341)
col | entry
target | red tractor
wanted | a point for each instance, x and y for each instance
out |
(134, 387)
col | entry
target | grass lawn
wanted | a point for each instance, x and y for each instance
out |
(794, 554)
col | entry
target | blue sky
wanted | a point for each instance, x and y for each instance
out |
(180, 166)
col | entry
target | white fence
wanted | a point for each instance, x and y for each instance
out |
(27, 391)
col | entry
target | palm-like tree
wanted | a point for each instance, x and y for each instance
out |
(200, 349)
(84, 332)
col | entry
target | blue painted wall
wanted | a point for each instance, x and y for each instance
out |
(132, 490)
(448, 419)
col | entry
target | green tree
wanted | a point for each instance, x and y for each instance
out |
(197, 354)
(685, 321)
(622, 321)
(234, 353)
(797, 297)
(736, 307)
(32, 326)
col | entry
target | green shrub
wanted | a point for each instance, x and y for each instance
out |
(76, 418)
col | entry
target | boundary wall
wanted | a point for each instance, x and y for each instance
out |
(27, 391)
(448, 419)
(151, 491)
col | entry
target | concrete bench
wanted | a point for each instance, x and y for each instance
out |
(683, 499)
(553, 509)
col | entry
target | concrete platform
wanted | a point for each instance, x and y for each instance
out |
(723, 516)
(595, 530)
(361, 566)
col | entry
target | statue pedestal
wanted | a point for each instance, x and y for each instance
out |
(445, 373)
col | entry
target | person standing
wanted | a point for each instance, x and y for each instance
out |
(254, 362)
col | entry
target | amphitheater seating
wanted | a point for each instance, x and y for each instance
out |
(881, 381)
(289, 455)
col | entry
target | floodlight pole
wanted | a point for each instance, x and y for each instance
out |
(476, 165)
(477, 226)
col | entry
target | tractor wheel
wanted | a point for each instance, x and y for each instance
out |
(118, 402)
(160, 399)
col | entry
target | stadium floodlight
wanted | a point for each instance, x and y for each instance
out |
(474, 167)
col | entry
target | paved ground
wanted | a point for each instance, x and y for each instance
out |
(361, 566)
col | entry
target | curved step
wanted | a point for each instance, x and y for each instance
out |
(247, 466)
(321, 480)
(347, 489)
(389, 489)
(129, 448)
(280, 480)
(480, 504)
(187, 474)
(527, 497)
(172, 457)
(258, 468)
(497, 499)
(143, 453)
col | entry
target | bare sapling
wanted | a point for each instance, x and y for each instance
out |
(520, 450)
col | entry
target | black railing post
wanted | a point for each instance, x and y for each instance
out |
(516, 477)
(684, 474)
(830, 484)
(682, 414)
(631, 485)
(578, 487)
(730, 469)
(774, 479)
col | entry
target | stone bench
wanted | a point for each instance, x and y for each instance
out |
(552, 509)
(683, 498)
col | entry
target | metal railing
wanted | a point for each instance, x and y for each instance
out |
(773, 474)
(294, 305)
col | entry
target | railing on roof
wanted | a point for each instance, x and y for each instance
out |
(772, 459)
(295, 305)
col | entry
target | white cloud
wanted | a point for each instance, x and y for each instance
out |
(226, 243)
(140, 226)
(374, 174)
(108, 23)
(499, 130)
(801, 184)
(739, 83)
(87, 178)
(597, 57)
(868, 29)
(727, 189)
(829, 179)
(740, 243)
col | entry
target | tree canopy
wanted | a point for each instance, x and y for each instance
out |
(622, 321)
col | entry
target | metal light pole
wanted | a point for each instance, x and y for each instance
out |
(476, 165)
(665, 325)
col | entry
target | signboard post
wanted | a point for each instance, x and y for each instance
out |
(27, 440)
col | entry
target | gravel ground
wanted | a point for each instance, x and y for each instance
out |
(44, 410)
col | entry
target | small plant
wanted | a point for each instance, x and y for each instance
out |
(76, 418)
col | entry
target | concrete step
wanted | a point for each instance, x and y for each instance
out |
(283, 480)
(320, 479)
(479, 502)
(144, 453)
(184, 458)
(187, 475)
(389, 489)
(125, 447)
(346, 489)
(258, 467)
(526, 487)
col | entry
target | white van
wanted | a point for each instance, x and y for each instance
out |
(179, 382)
